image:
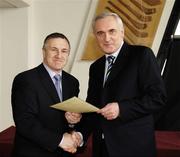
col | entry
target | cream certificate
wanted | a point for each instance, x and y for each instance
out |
(75, 104)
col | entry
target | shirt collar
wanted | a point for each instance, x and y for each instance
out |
(115, 54)
(51, 72)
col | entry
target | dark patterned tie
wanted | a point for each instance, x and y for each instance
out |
(57, 79)
(110, 60)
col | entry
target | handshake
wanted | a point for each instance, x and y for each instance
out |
(71, 141)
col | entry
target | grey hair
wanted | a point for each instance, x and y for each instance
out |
(106, 14)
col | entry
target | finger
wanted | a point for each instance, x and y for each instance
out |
(105, 113)
(98, 111)
(70, 149)
(67, 114)
(71, 115)
(74, 114)
(77, 116)
(106, 108)
(110, 118)
(102, 111)
(73, 121)
(73, 150)
(76, 138)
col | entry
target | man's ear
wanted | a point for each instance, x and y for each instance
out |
(43, 52)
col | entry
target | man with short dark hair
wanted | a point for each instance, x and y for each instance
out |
(42, 131)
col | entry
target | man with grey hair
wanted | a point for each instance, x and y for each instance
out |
(127, 86)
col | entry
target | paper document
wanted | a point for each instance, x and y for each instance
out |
(75, 104)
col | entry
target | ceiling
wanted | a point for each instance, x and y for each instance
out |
(13, 3)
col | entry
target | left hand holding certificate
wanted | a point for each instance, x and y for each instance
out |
(75, 104)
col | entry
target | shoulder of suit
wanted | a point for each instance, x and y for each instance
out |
(27, 73)
(69, 76)
(99, 61)
(139, 50)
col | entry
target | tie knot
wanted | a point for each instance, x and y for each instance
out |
(110, 59)
(57, 77)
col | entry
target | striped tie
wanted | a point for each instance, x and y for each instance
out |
(110, 60)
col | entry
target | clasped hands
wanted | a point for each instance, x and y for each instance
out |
(72, 140)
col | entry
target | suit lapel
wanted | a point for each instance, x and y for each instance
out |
(47, 83)
(99, 72)
(65, 85)
(121, 61)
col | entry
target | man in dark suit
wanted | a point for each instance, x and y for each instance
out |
(42, 131)
(126, 85)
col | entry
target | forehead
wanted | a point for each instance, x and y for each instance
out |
(57, 42)
(106, 23)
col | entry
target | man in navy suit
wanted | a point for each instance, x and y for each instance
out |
(126, 85)
(42, 131)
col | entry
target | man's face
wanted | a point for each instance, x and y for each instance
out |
(109, 34)
(55, 53)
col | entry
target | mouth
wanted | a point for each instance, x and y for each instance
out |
(58, 59)
(107, 44)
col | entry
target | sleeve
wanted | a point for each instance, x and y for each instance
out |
(26, 116)
(151, 87)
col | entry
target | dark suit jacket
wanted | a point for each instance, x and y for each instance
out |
(39, 128)
(135, 83)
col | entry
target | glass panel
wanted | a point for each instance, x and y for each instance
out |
(177, 32)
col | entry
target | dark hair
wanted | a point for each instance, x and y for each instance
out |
(55, 35)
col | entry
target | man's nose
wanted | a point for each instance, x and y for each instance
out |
(58, 53)
(107, 37)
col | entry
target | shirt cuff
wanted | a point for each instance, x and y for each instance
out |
(82, 141)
